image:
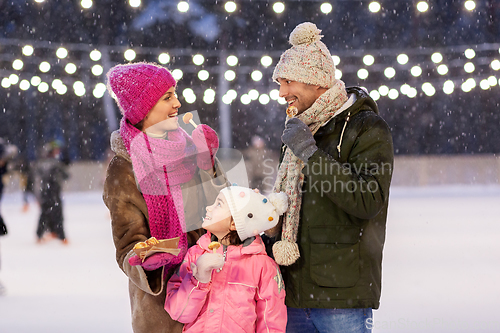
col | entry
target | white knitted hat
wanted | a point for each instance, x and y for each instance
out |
(254, 213)
(308, 60)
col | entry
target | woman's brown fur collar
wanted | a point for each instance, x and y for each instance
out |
(118, 147)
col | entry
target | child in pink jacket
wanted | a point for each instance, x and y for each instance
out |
(237, 287)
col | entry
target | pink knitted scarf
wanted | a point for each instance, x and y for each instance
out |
(160, 166)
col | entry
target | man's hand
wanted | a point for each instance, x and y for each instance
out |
(298, 137)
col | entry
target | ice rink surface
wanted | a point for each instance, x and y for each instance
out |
(441, 268)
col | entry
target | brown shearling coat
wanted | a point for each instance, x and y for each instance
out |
(129, 220)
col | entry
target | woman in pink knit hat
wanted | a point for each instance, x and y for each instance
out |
(157, 185)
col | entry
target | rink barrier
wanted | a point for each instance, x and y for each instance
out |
(429, 170)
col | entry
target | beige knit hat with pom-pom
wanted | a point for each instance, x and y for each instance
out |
(308, 60)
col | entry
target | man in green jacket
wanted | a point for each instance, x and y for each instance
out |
(336, 167)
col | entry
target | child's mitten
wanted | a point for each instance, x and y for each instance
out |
(206, 263)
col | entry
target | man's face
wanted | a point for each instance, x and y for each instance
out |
(298, 94)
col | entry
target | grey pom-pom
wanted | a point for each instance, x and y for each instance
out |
(305, 33)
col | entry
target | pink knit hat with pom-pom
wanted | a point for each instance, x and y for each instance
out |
(138, 87)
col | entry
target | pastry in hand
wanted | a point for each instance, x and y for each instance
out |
(214, 246)
(291, 111)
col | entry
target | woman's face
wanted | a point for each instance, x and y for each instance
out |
(218, 219)
(163, 116)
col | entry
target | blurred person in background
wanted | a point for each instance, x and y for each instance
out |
(7, 153)
(336, 168)
(260, 163)
(51, 173)
(26, 182)
(157, 185)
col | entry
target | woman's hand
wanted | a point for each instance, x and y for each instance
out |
(152, 262)
(207, 144)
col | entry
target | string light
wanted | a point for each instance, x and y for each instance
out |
(402, 59)
(129, 55)
(198, 59)
(203, 75)
(390, 72)
(43, 87)
(256, 75)
(456, 60)
(230, 7)
(264, 99)
(95, 55)
(442, 69)
(35, 81)
(177, 74)
(183, 6)
(28, 50)
(416, 71)
(374, 7)
(229, 75)
(44, 67)
(135, 3)
(266, 61)
(245, 99)
(437, 57)
(470, 5)
(232, 60)
(70, 68)
(86, 4)
(17, 64)
(97, 70)
(363, 74)
(326, 8)
(383, 90)
(61, 53)
(336, 60)
(469, 53)
(164, 58)
(368, 60)
(422, 6)
(254, 94)
(279, 7)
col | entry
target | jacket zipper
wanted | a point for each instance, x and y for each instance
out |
(223, 257)
(343, 129)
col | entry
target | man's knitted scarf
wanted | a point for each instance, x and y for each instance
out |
(160, 167)
(290, 177)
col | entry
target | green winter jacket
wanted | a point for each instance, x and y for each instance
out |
(343, 214)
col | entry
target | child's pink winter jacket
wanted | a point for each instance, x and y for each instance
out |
(247, 295)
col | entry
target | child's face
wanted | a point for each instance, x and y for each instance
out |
(163, 116)
(218, 218)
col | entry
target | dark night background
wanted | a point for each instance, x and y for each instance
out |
(458, 123)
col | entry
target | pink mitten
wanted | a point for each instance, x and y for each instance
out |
(152, 262)
(207, 144)
(206, 263)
